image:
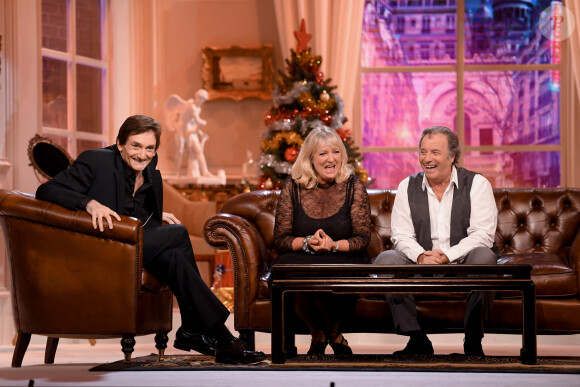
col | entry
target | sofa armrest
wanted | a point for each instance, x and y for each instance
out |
(248, 252)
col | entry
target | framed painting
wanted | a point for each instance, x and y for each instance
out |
(238, 72)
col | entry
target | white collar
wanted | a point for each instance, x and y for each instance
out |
(454, 179)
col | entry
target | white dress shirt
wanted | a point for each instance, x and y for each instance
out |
(482, 222)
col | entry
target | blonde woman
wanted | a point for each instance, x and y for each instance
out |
(323, 216)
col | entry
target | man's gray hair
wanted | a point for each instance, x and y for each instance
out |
(452, 141)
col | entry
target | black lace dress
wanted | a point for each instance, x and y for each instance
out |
(341, 210)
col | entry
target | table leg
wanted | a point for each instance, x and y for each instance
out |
(529, 351)
(277, 336)
(289, 316)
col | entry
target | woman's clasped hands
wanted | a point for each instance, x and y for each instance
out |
(321, 242)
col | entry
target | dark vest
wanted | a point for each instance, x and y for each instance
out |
(460, 208)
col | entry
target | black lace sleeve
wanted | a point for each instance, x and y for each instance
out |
(284, 219)
(360, 215)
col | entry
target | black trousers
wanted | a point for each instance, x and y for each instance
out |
(168, 255)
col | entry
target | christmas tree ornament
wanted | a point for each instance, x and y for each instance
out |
(302, 37)
(268, 184)
(290, 154)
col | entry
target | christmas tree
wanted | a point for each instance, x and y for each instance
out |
(303, 100)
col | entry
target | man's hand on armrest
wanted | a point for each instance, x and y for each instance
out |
(98, 212)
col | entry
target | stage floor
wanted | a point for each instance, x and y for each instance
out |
(74, 358)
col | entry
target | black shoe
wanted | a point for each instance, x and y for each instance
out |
(473, 348)
(233, 351)
(341, 349)
(317, 349)
(417, 345)
(196, 341)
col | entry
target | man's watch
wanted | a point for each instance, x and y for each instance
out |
(305, 245)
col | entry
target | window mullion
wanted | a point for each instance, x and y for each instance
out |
(460, 63)
(58, 55)
(73, 79)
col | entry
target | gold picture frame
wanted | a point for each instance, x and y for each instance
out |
(238, 72)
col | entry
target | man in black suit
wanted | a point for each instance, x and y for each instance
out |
(122, 180)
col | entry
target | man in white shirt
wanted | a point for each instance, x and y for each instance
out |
(442, 215)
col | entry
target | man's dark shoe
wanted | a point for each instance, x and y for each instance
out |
(233, 351)
(417, 345)
(196, 341)
(473, 348)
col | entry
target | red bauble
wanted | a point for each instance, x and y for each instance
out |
(344, 133)
(290, 154)
(326, 119)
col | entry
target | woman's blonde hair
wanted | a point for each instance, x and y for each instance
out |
(303, 171)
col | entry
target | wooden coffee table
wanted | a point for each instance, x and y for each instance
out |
(378, 279)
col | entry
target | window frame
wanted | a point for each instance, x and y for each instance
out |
(72, 60)
(460, 68)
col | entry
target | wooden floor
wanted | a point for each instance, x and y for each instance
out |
(75, 357)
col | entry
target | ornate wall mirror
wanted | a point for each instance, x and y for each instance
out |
(47, 158)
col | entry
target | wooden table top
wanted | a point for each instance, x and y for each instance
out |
(398, 271)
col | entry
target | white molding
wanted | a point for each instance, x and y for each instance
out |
(7, 124)
(7, 329)
(5, 166)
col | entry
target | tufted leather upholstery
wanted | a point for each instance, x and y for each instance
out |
(539, 227)
(70, 280)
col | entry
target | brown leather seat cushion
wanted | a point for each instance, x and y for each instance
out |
(551, 273)
(149, 282)
(263, 290)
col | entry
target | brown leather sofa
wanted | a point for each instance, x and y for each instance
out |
(539, 227)
(69, 280)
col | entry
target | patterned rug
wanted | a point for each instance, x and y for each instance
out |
(438, 363)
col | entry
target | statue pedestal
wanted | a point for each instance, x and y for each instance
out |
(219, 179)
(218, 193)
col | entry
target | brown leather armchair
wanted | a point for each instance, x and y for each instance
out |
(72, 281)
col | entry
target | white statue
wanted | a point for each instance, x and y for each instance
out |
(183, 119)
